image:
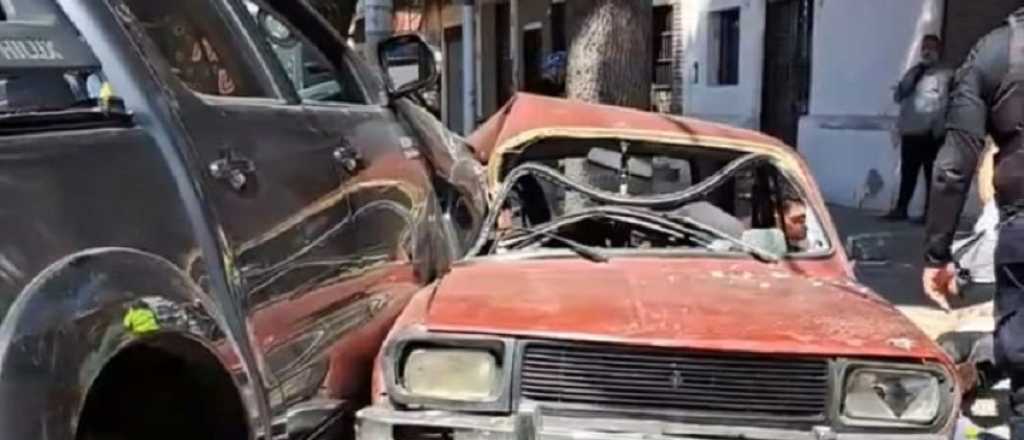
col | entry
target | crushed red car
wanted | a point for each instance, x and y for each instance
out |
(647, 276)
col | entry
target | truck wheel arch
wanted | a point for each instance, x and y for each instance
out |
(165, 386)
(70, 324)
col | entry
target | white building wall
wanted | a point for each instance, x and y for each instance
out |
(861, 49)
(737, 105)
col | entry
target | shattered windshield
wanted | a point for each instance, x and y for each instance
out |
(594, 197)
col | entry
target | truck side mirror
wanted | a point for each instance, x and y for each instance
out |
(409, 64)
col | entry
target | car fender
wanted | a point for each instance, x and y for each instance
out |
(71, 320)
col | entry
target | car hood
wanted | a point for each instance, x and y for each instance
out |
(703, 304)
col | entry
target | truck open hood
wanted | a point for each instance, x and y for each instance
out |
(702, 304)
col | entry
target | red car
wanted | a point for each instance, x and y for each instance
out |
(647, 276)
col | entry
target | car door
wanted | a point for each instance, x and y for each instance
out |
(279, 184)
(390, 237)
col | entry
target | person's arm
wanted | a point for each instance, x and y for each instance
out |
(986, 172)
(957, 162)
(908, 83)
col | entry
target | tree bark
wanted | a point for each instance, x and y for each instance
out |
(610, 52)
(338, 13)
(378, 19)
(609, 62)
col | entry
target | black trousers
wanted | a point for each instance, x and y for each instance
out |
(916, 152)
(1009, 314)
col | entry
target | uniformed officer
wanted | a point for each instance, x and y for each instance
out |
(988, 98)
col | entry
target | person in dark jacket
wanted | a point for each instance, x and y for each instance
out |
(922, 95)
(987, 98)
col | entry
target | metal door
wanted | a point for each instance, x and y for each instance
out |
(502, 53)
(787, 67)
(533, 58)
(453, 77)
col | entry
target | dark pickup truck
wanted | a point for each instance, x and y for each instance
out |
(212, 212)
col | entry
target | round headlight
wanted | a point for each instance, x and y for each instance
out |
(451, 374)
(892, 396)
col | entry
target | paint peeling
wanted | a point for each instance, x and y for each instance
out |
(902, 343)
(750, 307)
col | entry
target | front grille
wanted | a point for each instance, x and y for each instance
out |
(716, 385)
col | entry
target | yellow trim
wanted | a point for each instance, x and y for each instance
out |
(522, 140)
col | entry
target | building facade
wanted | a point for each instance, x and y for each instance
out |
(513, 37)
(819, 74)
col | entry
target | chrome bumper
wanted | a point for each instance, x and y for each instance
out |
(378, 423)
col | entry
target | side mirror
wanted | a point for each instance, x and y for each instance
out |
(869, 249)
(409, 64)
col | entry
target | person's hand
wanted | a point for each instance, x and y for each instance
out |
(940, 284)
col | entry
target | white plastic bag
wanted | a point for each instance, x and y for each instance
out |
(975, 255)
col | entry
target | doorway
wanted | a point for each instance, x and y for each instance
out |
(786, 87)
(966, 21)
(533, 58)
(503, 53)
(453, 77)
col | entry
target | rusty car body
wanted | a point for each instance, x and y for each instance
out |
(212, 213)
(633, 316)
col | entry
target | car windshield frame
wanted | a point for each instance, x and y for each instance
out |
(815, 216)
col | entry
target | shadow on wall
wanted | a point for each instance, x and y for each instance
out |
(871, 188)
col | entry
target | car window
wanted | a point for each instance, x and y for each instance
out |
(199, 45)
(308, 70)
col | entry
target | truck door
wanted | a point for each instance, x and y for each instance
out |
(279, 184)
(390, 242)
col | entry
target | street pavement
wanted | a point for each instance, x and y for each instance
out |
(898, 280)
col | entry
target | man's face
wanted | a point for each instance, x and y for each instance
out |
(930, 51)
(794, 222)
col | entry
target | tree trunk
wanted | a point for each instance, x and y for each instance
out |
(378, 18)
(609, 62)
(610, 52)
(338, 13)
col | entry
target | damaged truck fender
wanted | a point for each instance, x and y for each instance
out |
(79, 314)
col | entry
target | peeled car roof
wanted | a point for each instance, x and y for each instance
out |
(527, 112)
